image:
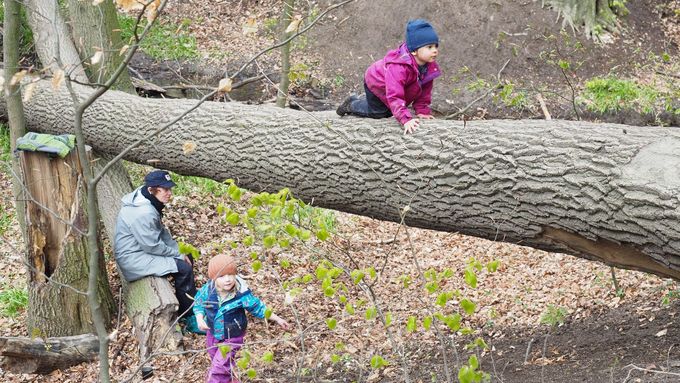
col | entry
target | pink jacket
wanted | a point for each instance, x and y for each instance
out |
(395, 80)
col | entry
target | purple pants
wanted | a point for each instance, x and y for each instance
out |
(221, 367)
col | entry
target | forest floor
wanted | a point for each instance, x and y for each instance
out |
(597, 335)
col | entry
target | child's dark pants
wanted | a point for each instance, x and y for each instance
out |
(370, 106)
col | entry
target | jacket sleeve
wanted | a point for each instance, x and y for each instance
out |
(199, 300)
(148, 233)
(422, 104)
(396, 77)
(254, 305)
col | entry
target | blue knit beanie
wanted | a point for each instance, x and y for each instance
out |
(420, 33)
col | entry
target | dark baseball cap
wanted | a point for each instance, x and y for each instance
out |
(159, 178)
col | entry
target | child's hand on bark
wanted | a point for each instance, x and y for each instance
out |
(411, 125)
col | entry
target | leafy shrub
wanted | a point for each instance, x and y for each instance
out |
(613, 94)
(163, 42)
(12, 301)
(554, 316)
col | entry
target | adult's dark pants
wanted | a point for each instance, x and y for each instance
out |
(185, 287)
(370, 106)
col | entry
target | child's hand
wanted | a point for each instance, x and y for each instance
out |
(201, 323)
(425, 116)
(285, 325)
(280, 321)
(411, 125)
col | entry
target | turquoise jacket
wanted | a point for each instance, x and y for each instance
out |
(228, 318)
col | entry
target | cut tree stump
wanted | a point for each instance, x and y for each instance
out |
(37, 356)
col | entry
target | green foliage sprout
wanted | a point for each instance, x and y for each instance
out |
(163, 42)
(12, 301)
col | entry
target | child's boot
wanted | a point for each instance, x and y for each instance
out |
(346, 106)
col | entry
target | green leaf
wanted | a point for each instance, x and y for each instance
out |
(284, 263)
(481, 344)
(465, 375)
(371, 272)
(326, 283)
(329, 291)
(322, 235)
(331, 323)
(233, 218)
(253, 255)
(220, 209)
(473, 362)
(224, 350)
(251, 373)
(335, 272)
(321, 272)
(275, 212)
(377, 361)
(357, 276)
(304, 235)
(335, 358)
(470, 278)
(349, 308)
(307, 278)
(284, 243)
(411, 324)
(342, 299)
(249, 240)
(427, 322)
(291, 230)
(268, 357)
(371, 313)
(442, 299)
(267, 313)
(468, 306)
(492, 266)
(252, 212)
(431, 286)
(269, 241)
(257, 265)
(388, 319)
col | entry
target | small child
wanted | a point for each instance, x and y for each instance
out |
(403, 77)
(220, 307)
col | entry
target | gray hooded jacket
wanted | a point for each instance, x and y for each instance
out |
(142, 245)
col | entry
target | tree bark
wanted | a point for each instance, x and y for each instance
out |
(37, 356)
(52, 40)
(599, 191)
(96, 27)
(57, 248)
(15, 109)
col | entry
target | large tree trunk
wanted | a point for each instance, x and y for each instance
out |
(57, 248)
(599, 191)
(154, 316)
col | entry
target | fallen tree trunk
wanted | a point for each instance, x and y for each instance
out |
(37, 356)
(599, 191)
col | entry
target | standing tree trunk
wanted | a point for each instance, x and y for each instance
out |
(284, 84)
(57, 248)
(12, 93)
(96, 27)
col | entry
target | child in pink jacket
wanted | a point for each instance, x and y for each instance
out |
(402, 78)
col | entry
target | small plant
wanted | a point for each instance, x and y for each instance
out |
(554, 316)
(4, 146)
(613, 94)
(188, 184)
(164, 41)
(12, 301)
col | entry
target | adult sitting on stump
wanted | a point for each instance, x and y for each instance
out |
(144, 247)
